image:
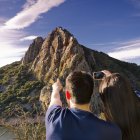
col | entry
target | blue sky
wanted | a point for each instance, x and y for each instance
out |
(111, 26)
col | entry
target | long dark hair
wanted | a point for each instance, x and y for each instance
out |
(121, 105)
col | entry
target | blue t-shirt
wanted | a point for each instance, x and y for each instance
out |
(75, 124)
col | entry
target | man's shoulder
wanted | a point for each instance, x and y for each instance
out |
(54, 112)
(107, 125)
(55, 108)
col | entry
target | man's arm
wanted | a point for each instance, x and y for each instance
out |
(55, 96)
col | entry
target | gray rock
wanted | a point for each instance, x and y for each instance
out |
(33, 51)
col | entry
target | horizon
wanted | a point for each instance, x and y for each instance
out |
(110, 27)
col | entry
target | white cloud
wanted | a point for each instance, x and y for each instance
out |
(103, 44)
(2, 21)
(28, 38)
(29, 3)
(7, 35)
(126, 54)
(12, 39)
(9, 54)
(10, 51)
(31, 12)
(129, 46)
(126, 50)
(135, 43)
(11, 48)
(5, 61)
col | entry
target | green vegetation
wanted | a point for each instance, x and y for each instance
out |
(30, 131)
(18, 88)
(27, 127)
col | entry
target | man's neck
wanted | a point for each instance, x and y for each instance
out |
(84, 107)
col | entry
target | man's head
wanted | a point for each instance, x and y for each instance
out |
(79, 87)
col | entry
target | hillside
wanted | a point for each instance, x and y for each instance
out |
(45, 61)
(19, 90)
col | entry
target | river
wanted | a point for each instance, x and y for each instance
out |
(5, 134)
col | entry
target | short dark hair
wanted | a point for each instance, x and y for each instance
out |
(80, 85)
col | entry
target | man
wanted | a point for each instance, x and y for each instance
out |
(76, 122)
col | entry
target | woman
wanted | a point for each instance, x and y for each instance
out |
(121, 105)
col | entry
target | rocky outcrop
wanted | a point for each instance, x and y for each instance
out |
(60, 54)
(33, 51)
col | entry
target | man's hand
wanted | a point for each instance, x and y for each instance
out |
(57, 86)
(55, 96)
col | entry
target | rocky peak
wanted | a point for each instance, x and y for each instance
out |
(62, 35)
(60, 54)
(33, 50)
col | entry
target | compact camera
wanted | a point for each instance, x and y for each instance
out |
(98, 75)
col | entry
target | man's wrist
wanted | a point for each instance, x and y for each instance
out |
(55, 91)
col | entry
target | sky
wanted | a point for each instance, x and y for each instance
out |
(110, 26)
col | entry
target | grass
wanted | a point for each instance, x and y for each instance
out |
(26, 127)
(30, 131)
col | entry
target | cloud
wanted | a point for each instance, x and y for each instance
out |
(11, 49)
(28, 38)
(7, 35)
(126, 54)
(5, 61)
(126, 50)
(31, 12)
(130, 46)
(2, 21)
(29, 3)
(103, 44)
(9, 53)
(12, 39)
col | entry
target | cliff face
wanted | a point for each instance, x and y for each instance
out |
(33, 51)
(60, 54)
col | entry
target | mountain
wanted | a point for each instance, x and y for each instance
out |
(60, 54)
(33, 51)
(46, 60)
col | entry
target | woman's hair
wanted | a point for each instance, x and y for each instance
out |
(121, 105)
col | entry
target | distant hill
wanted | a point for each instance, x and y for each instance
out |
(45, 61)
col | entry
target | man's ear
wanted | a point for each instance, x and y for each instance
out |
(68, 96)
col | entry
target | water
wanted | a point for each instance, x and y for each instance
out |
(5, 134)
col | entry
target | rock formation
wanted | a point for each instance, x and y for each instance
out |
(33, 51)
(60, 54)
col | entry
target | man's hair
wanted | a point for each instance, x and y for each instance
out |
(80, 85)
